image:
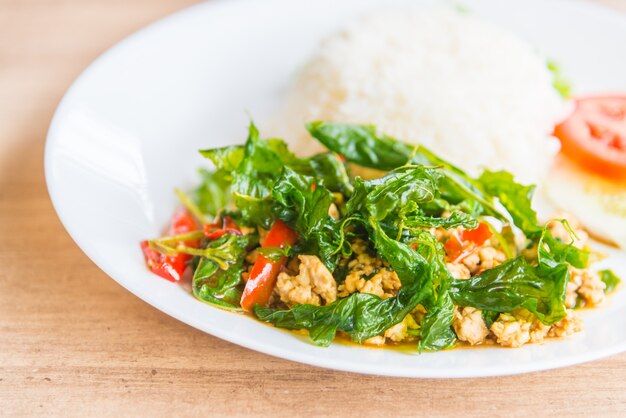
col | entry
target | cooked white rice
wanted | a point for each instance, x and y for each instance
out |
(470, 91)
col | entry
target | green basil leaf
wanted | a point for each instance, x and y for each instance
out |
(610, 279)
(225, 158)
(361, 144)
(216, 286)
(303, 204)
(455, 220)
(514, 197)
(213, 193)
(516, 284)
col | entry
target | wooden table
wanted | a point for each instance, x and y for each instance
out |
(73, 342)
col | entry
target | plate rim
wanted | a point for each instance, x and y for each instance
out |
(273, 350)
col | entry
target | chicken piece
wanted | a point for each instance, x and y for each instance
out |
(458, 270)
(252, 256)
(399, 332)
(472, 262)
(419, 313)
(377, 340)
(591, 286)
(571, 291)
(511, 332)
(490, 257)
(469, 325)
(396, 333)
(441, 234)
(384, 284)
(359, 247)
(518, 328)
(368, 274)
(333, 211)
(311, 285)
(483, 258)
(569, 325)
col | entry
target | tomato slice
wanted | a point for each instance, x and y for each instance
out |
(595, 135)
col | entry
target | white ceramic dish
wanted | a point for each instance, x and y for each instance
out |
(127, 132)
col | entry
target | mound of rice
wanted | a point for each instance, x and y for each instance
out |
(470, 91)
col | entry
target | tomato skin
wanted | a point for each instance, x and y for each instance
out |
(594, 135)
(263, 276)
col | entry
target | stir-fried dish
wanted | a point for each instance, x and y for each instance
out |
(415, 250)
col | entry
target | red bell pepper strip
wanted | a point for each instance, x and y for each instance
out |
(215, 231)
(460, 245)
(477, 235)
(171, 267)
(183, 222)
(168, 267)
(265, 271)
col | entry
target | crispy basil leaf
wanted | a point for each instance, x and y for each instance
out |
(225, 158)
(436, 332)
(254, 178)
(455, 220)
(490, 317)
(436, 328)
(213, 193)
(561, 252)
(361, 144)
(610, 279)
(303, 204)
(216, 286)
(362, 315)
(560, 83)
(331, 172)
(516, 284)
(514, 197)
(400, 192)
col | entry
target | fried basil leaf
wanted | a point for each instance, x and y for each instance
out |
(514, 197)
(455, 220)
(254, 178)
(217, 286)
(562, 252)
(515, 284)
(364, 145)
(362, 315)
(560, 83)
(213, 193)
(400, 192)
(331, 172)
(361, 144)
(436, 328)
(225, 158)
(610, 279)
(303, 205)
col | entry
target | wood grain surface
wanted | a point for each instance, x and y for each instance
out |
(74, 343)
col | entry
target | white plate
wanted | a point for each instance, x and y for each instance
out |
(127, 132)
